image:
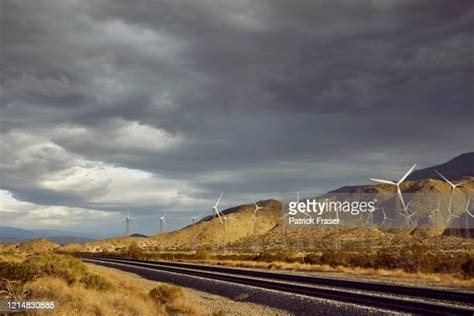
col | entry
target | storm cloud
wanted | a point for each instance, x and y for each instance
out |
(110, 106)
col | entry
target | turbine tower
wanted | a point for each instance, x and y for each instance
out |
(215, 210)
(467, 207)
(407, 215)
(453, 186)
(397, 184)
(467, 221)
(255, 213)
(128, 221)
(162, 222)
(385, 218)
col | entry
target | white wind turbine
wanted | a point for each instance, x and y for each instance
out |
(408, 216)
(437, 209)
(162, 222)
(385, 218)
(128, 221)
(453, 186)
(215, 209)
(194, 218)
(255, 213)
(400, 196)
(467, 207)
(451, 216)
(467, 212)
(222, 219)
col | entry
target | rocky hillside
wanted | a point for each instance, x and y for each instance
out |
(205, 234)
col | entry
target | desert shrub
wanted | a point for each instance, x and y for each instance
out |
(17, 272)
(13, 290)
(65, 267)
(135, 252)
(96, 282)
(313, 258)
(202, 254)
(467, 268)
(165, 294)
(283, 255)
(330, 258)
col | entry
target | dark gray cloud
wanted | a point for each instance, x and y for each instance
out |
(238, 96)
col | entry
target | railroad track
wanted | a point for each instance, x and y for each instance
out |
(392, 297)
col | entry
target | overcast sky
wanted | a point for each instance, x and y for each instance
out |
(145, 106)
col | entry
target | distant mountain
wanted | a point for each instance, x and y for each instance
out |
(346, 189)
(57, 232)
(138, 235)
(456, 168)
(16, 235)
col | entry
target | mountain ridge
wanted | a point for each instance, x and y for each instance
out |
(10, 234)
(454, 169)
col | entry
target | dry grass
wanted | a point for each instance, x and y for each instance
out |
(306, 267)
(77, 300)
(80, 289)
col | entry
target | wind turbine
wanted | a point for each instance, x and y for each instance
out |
(437, 209)
(467, 207)
(254, 215)
(453, 186)
(385, 218)
(215, 210)
(408, 215)
(128, 220)
(194, 218)
(400, 196)
(162, 222)
(257, 208)
(468, 230)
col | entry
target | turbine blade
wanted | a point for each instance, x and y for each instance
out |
(444, 178)
(255, 203)
(219, 215)
(219, 200)
(383, 181)
(400, 196)
(407, 174)
(460, 183)
(298, 197)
